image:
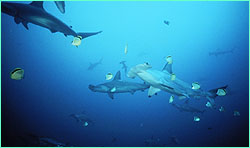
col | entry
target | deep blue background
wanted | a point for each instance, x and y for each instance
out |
(56, 76)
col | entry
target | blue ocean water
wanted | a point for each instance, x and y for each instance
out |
(56, 78)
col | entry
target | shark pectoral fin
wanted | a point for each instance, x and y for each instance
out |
(17, 20)
(25, 24)
(152, 91)
(111, 95)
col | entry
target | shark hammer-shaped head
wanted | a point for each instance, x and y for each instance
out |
(138, 69)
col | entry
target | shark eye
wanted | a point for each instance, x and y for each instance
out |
(146, 63)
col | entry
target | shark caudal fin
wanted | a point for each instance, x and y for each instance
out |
(85, 34)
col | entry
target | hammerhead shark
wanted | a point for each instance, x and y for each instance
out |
(124, 66)
(162, 80)
(221, 52)
(118, 86)
(82, 118)
(34, 13)
(93, 65)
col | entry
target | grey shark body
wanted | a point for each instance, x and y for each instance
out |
(34, 13)
(118, 86)
(161, 80)
(93, 65)
(187, 108)
(221, 52)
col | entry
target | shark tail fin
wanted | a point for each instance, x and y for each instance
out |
(213, 94)
(85, 34)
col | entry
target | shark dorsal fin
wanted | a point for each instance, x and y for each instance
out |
(38, 4)
(117, 76)
(168, 68)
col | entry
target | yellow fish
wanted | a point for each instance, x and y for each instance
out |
(171, 99)
(126, 49)
(221, 92)
(196, 86)
(77, 41)
(109, 76)
(17, 74)
(173, 76)
(169, 60)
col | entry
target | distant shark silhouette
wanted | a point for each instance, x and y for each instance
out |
(118, 86)
(221, 52)
(93, 65)
(124, 66)
(34, 13)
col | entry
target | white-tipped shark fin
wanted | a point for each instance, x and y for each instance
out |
(152, 91)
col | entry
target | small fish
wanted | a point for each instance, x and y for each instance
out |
(196, 119)
(126, 49)
(169, 59)
(171, 99)
(77, 41)
(113, 89)
(196, 86)
(236, 113)
(173, 76)
(86, 123)
(17, 74)
(166, 22)
(109, 76)
(208, 104)
(222, 109)
(221, 92)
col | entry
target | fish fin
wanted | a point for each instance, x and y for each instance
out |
(53, 31)
(61, 6)
(17, 20)
(168, 68)
(25, 24)
(132, 92)
(111, 95)
(38, 4)
(152, 91)
(117, 76)
(85, 35)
